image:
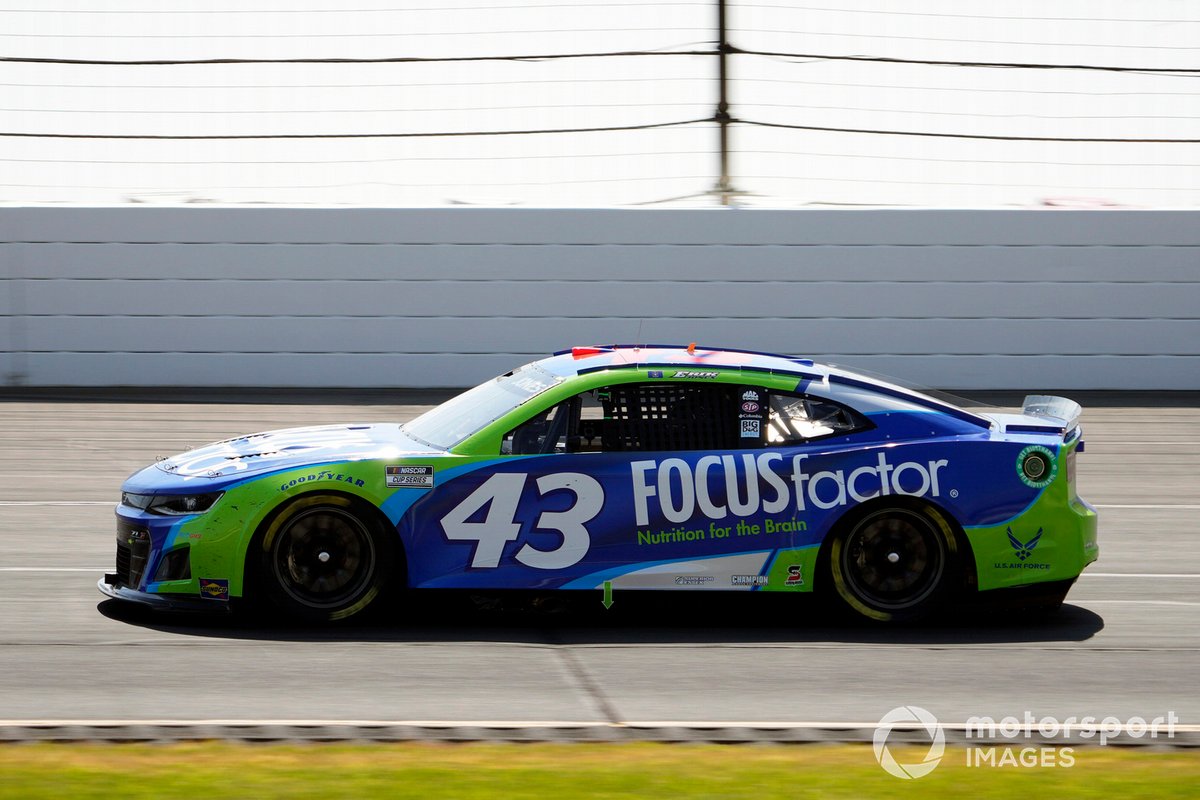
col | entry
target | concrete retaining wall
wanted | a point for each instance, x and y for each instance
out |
(295, 297)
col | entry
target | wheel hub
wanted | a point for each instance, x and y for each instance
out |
(893, 560)
(323, 557)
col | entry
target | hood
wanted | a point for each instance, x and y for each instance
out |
(246, 456)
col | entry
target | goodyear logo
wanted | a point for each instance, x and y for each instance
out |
(214, 589)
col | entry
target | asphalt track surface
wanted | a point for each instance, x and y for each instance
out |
(1126, 643)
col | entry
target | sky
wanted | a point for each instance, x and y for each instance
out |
(872, 158)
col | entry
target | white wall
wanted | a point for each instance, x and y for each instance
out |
(447, 297)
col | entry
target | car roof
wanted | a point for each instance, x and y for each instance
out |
(585, 359)
(582, 360)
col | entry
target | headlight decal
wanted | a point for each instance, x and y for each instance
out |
(183, 504)
(138, 501)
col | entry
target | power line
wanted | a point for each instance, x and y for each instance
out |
(970, 90)
(420, 135)
(613, 54)
(975, 114)
(859, 35)
(160, 62)
(404, 34)
(174, 87)
(593, 106)
(607, 128)
(257, 111)
(575, 156)
(405, 160)
(691, 128)
(940, 63)
(991, 137)
(927, 159)
(370, 110)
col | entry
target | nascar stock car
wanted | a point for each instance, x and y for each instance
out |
(624, 467)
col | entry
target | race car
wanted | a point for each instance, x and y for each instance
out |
(624, 467)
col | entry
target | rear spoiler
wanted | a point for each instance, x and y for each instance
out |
(1060, 414)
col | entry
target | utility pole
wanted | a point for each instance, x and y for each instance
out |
(724, 188)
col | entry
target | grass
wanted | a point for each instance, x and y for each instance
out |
(327, 771)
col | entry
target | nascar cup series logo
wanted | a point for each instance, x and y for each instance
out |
(909, 716)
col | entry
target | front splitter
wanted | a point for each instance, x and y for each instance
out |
(161, 602)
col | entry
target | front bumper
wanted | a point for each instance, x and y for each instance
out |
(109, 585)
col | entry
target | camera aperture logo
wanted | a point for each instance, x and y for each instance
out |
(909, 716)
(1026, 741)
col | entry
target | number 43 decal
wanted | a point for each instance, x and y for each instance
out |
(500, 526)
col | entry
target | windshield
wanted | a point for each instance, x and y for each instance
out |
(471, 411)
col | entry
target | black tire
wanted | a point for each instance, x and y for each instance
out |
(894, 564)
(324, 558)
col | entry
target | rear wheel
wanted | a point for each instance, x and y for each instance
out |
(325, 559)
(894, 564)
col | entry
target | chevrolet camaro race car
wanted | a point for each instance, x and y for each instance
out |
(619, 468)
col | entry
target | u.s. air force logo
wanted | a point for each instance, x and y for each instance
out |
(1023, 550)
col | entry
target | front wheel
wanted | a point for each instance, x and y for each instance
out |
(324, 559)
(894, 564)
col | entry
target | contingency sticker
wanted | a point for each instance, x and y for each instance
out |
(409, 477)
(214, 588)
(752, 413)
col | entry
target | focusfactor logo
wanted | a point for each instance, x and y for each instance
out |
(675, 488)
(909, 716)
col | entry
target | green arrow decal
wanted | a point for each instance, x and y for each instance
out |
(608, 601)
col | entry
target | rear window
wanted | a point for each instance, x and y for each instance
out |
(799, 418)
